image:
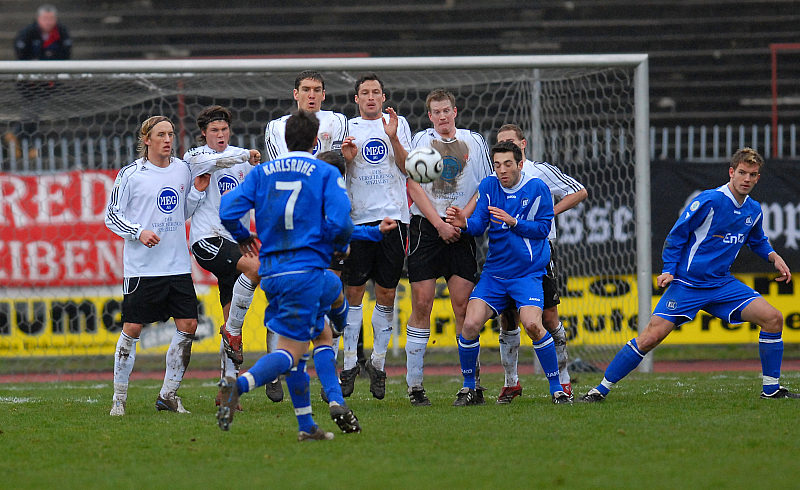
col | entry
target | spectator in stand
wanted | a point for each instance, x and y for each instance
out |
(45, 39)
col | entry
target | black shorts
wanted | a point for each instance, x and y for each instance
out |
(429, 257)
(156, 299)
(336, 265)
(219, 257)
(380, 261)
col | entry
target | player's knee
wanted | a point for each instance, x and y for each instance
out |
(550, 319)
(187, 325)
(534, 330)
(773, 322)
(470, 329)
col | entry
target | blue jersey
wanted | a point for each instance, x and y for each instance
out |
(522, 250)
(302, 213)
(706, 239)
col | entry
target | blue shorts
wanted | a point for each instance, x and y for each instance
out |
(680, 303)
(498, 293)
(297, 302)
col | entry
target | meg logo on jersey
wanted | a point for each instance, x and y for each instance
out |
(226, 183)
(167, 200)
(374, 151)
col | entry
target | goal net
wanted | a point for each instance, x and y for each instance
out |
(69, 126)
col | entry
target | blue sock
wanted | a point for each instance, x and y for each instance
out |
(623, 363)
(545, 350)
(468, 351)
(265, 370)
(297, 382)
(338, 316)
(325, 365)
(770, 349)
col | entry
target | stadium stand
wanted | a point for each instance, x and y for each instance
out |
(709, 59)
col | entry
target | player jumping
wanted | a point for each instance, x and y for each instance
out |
(148, 207)
(302, 217)
(518, 210)
(698, 254)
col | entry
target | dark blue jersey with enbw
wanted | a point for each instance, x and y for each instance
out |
(706, 239)
(302, 212)
(522, 250)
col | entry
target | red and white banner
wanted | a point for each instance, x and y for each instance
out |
(52, 231)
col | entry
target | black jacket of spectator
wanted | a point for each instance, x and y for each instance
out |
(29, 44)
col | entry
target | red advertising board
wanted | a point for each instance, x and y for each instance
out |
(52, 231)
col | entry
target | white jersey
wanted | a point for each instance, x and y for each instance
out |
(205, 220)
(332, 131)
(559, 183)
(376, 186)
(149, 197)
(466, 163)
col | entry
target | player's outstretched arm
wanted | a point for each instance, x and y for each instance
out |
(569, 201)
(255, 157)
(338, 225)
(781, 267)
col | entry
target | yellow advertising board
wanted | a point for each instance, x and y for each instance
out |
(594, 310)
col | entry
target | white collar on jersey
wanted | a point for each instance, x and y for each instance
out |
(727, 191)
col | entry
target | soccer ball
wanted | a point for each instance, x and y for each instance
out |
(424, 165)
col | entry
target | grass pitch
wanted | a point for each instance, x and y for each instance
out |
(657, 431)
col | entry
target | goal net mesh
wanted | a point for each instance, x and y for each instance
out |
(66, 135)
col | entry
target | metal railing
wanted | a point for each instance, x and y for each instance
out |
(690, 143)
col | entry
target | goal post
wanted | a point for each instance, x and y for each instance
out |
(68, 126)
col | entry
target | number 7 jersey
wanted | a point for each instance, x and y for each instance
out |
(302, 213)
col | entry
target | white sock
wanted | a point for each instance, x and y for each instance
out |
(178, 355)
(509, 355)
(416, 344)
(382, 319)
(243, 292)
(124, 358)
(272, 341)
(350, 336)
(227, 367)
(560, 341)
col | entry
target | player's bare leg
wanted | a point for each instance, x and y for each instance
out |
(418, 332)
(178, 355)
